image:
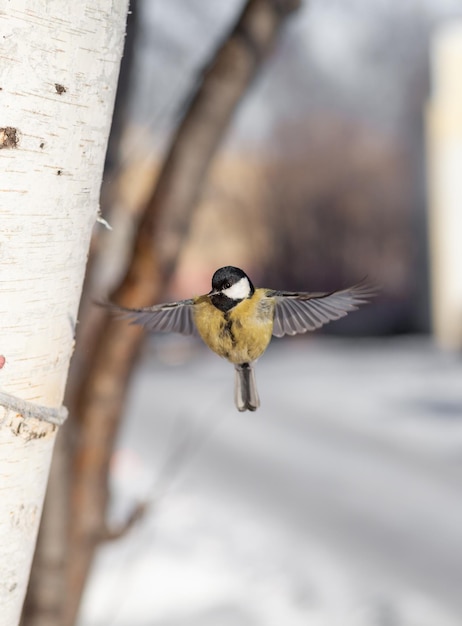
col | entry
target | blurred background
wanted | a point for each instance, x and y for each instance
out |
(337, 155)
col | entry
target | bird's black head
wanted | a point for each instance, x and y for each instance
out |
(230, 285)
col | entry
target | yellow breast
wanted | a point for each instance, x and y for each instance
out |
(240, 335)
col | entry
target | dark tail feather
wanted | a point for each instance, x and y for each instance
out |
(245, 391)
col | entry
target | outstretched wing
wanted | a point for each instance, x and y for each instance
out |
(299, 312)
(173, 317)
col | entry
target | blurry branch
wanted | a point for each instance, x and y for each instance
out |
(187, 441)
(157, 246)
(199, 134)
(135, 516)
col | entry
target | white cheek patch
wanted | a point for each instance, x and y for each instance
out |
(239, 290)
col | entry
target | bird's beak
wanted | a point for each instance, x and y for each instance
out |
(214, 292)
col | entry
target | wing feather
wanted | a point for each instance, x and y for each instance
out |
(299, 312)
(278, 322)
(173, 317)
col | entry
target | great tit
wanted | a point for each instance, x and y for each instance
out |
(237, 321)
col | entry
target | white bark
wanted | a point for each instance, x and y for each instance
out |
(58, 72)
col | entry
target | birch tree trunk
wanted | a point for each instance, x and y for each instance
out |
(58, 75)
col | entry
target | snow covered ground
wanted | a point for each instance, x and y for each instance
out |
(338, 503)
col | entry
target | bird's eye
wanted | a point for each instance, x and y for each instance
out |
(227, 285)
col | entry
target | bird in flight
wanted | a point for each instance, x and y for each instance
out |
(237, 321)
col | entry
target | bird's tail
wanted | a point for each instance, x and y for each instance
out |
(245, 390)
